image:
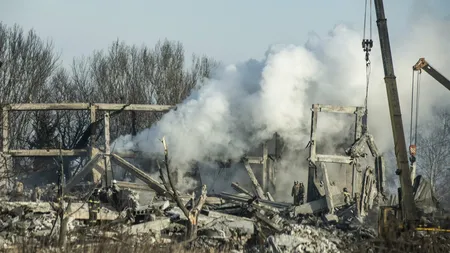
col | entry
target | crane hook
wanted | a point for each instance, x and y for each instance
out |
(367, 45)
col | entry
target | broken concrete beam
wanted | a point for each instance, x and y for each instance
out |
(153, 227)
(241, 189)
(213, 201)
(254, 159)
(331, 218)
(83, 173)
(372, 146)
(311, 207)
(328, 195)
(268, 222)
(152, 183)
(256, 185)
(269, 196)
(358, 148)
(214, 214)
(218, 224)
(133, 186)
(34, 207)
(241, 199)
(80, 210)
(336, 108)
(333, 159)
(319, 205)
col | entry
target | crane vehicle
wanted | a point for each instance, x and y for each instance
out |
(405, 215)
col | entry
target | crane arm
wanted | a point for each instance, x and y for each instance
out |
(407, 198)
(423, 64)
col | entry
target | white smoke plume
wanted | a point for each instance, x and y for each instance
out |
(245, 103)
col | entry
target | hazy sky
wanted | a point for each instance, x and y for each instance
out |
(228, 30)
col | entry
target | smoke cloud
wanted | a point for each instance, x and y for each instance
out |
(245, 103)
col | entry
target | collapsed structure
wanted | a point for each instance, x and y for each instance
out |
(360, 173)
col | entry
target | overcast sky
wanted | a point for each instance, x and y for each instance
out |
(228, 30)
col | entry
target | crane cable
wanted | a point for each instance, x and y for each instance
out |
(367, 45)
(415, 91)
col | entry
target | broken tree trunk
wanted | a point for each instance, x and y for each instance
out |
(191, 215)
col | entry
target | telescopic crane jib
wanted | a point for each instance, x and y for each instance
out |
(408, 207)
(422, 64)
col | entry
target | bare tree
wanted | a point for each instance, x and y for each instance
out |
(433, 152)
(196, 205)
(28, 64)
(131, 74)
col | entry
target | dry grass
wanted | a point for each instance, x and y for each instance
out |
(110, 246)
(117, 243)
(407, 243)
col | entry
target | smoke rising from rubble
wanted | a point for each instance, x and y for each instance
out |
(246, 103)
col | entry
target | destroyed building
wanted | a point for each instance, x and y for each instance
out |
(147, 207)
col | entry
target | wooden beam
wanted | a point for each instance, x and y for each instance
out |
(48, 152)
(86, 106)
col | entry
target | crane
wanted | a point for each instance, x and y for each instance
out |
(408, 207)
(408, 217)
(421, 64)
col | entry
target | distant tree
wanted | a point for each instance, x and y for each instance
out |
(28, 63)
(433, 152)
(131, 74)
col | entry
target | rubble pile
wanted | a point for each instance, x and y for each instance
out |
(304, 238)
(228, 222)
(19, 220)
(221, 223)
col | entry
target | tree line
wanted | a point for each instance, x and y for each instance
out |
(31, 72)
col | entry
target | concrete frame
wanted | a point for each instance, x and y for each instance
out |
(317, 161)
(268, 163)
(7, 154)
(100, 161)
